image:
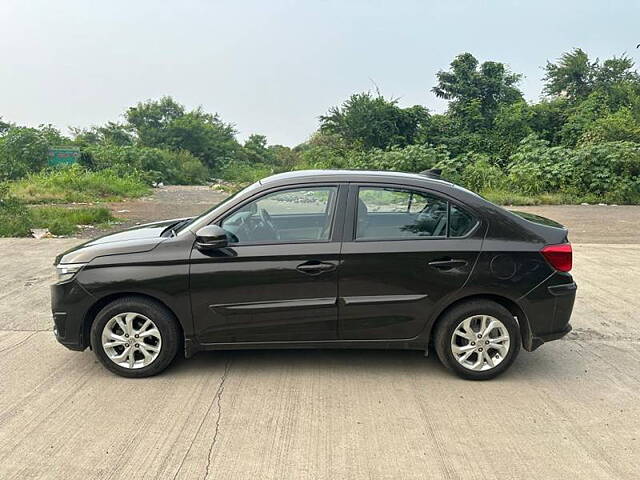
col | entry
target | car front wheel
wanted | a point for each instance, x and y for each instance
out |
(135, 337)
(478, 340)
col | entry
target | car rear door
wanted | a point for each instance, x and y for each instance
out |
(278, 279)
(406, 250)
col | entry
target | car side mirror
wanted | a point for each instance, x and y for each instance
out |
(211, 237)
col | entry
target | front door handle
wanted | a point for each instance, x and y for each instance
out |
(448, 264)
(315, 267)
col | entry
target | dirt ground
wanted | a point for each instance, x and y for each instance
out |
(568, 410)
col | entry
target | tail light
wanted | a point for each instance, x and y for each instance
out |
(559, 256)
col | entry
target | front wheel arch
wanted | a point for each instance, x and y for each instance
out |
(92, 313)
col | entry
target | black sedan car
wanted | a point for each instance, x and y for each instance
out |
(315, 259)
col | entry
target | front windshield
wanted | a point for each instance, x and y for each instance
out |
(186, 225)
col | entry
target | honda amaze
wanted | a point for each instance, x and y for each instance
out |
(323, 259)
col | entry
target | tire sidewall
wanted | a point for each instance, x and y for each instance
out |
(163, 320)
(451, 321)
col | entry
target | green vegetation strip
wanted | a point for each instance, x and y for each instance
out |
(77, 184)
(17, 220)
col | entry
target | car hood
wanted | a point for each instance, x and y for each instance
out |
(142, 238)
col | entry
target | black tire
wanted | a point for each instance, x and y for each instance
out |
(164, 321)
(450, 321)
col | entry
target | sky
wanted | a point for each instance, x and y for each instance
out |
(273, 66)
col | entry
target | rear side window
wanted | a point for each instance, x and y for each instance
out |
(397, 213)
(460, 222)
(388, 213)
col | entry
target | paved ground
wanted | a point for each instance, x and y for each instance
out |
(569, 410)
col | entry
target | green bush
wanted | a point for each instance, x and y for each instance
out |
(15, 217)
(414, 158)
(22, 150)
(241, 172)
(76, 184)
(608, 170)
(154, 164)
(185, 169)
(535, 167)
(321, 156)
(452, 168)
(526, 177)
(481, 174)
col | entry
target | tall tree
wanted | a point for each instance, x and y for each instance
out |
(22, 150)
(4, 126)
(476, 91)
(150, 119)
(571, 76)
(204, 135)
(166, 124)
(256, 151)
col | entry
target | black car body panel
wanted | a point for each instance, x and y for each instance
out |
(139, 239)
(341, 292)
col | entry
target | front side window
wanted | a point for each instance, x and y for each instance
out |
(390, 214)
(285, 216)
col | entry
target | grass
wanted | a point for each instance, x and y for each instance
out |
(17, 220)
(77, 185)
(65, 221)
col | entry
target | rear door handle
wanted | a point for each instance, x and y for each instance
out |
(315, 267)
(448, 264)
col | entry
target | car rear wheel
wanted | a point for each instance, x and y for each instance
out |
(478, 340)
(135, 337)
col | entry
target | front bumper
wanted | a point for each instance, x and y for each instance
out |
(69, 306)
(548, 310)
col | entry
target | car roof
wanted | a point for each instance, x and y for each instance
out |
(299, 176)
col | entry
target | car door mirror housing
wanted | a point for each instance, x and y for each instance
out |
(211, 237)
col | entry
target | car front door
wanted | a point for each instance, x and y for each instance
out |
(405, 250)
(277, 281)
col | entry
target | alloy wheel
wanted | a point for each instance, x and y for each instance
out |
(131, 340)
(480, 342)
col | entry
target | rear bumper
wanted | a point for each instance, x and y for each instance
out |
(536, 342)
(69, 305)
(548, 310)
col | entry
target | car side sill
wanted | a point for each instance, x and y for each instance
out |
(192, 346)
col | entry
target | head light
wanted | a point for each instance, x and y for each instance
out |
(66, 271)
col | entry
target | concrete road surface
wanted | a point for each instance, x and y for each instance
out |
(569, 410)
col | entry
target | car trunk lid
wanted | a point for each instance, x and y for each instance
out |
(538, 219)
(551, 231)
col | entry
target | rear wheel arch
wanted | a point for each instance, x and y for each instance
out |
(510, 305)
(92, 313)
